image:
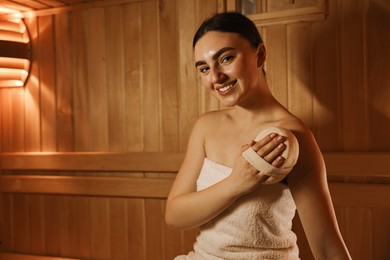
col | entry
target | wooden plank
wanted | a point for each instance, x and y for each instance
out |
(95, 41)
(188, 91)
(87, 186)
(299, 74)
(151, 88)
(118, 228)
(81, 106)
(169, 85)
(358, 164)
(377, 39)
(356, 227)
(355, 122)
(6, 122)
(6, 223)
(116, 108)
(368, 164)
(32, 95)
(305, 14)
(136, 226)
(36, 234)
(29, 13)
(148, 161)
(276, 63)
(64, 95)
(344, 194)
(47, 84)
(361, 195)
(13, 256)
(326, 81)
(79, 236)
(380, 233)
(20, 229)
(53, 212)
(133, 78)
(153, 221)
(100, 227)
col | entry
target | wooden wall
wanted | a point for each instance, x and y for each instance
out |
(89, 148)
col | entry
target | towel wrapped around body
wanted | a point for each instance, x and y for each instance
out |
(256, 226)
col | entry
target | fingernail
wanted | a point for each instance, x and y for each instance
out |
(272, 135)
(280, 138)
(280, 146)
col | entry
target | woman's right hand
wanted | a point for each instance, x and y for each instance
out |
(244, 177)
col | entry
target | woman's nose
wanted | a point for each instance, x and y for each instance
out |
(216, 75)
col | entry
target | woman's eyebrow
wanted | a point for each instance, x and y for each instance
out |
(215, 56)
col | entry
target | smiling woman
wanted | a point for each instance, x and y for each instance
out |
(220, 189)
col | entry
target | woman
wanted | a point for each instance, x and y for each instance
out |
(216, 188)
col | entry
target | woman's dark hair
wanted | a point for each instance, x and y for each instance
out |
(230, 22)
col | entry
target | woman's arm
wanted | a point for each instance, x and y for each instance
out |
(187, 207)
(308, 185)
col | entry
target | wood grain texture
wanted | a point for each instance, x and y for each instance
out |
(112, 99)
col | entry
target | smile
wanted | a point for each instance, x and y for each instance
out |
(227, 87)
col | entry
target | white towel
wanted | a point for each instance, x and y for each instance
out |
(256, 226)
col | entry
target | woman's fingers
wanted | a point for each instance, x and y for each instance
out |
(270, 149)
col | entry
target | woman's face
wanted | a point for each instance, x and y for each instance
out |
(227, 65)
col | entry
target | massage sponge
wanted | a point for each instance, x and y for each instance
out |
(290, 153)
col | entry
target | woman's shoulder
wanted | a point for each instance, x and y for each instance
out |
(212, 117)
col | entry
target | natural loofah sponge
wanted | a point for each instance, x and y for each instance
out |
(290, 153)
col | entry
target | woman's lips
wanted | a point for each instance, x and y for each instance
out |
(225, 90)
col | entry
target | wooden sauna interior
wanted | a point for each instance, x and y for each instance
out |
(90, 145)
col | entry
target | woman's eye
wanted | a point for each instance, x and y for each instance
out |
(203, 69)
(226, 59)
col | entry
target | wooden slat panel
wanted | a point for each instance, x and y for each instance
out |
(80, 5)
(360, 195)
(36, 225)
(32, 111)
(118, 226)
(47, 84)
(20, 228)
(115, 78)
(136, 228)
(101, 232)
(304, 14)
(64, 95)
(187, 81)
(377, 39)
(53, 212)
(169, 89)
(276, 63)
(358, 164)
(132, 63)
(91, 186)
(300, 98)
(96, 90)
(326, 81)
(12, 256)
(344, 194)
(151, 88)
(153, 220)
(80, 82)
(355, 122)
(338, 164)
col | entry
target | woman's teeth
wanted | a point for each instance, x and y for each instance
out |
(226, 88)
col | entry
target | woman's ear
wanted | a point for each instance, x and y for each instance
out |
(261, 55)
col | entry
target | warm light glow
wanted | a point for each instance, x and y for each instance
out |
(11, 83)
(14, 53)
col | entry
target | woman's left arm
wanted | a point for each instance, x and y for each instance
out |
(309, 188)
